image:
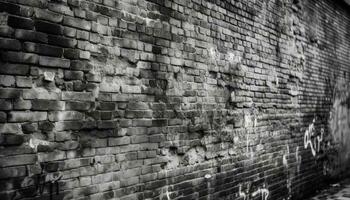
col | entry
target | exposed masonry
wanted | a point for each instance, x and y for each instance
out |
(159, 99)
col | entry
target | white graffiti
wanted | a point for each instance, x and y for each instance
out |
(241, 193)
(165, 189)
(319, 140)
(245, 195)
(298, 159)
(264, 192)
(285, 157)
(314, 144)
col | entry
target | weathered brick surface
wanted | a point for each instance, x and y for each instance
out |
(160, 99)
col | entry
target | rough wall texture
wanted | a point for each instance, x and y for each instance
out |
(159, 99)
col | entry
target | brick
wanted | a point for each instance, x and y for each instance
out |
(43, 49)
(6, 31)
(10, 128)
(12, 140)
(7, 81)
(73, 75)
(131, 89)
(107, 106)
(142, 122)
(31, 35)
(51, 156)
(70, 32)
(3, 117)
(65, 116)
(50, 105)
(157, 49)
(108, 124)
(77, 23)
(14, 69)
(20, 22)
(20, 116)
(24, 82)
(129, 182)
(176, 61)
(10, 44)
(80, 96)
(80, 13)
(118, 141)
(32, 3)
(129, 44)
(62, 41)
(18, 160)
(47, 27)
(80, 65)
(40, 93)
(60, 8)
(129, 54)
(85, 55)
(71, 53)
(84, 35)
(54, 62)
(138, 105)
(139, 139)
(20, 104)
(99, 28)
(91, 77)
(19, 57)
(9, 93)
(5, 104)
(10, 8)
(46, 126)
(48, 15)
(29, 128)
(79, 106)
(85, 181)
(12, 172)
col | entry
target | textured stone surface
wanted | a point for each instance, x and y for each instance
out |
(160, 99)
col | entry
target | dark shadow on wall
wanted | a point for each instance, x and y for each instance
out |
(325, 122)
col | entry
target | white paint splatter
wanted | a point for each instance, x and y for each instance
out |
(298, 158)
(34, 143)
(241, 193)
(264, 192)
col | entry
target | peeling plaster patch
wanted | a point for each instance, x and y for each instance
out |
(195, 155)
(192, 156)
(234, 57)
(213, 54)
(173, 159)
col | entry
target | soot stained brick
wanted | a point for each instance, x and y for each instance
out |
(20, 22)
(46, 27)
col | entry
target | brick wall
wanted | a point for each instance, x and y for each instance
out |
(159, 99)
